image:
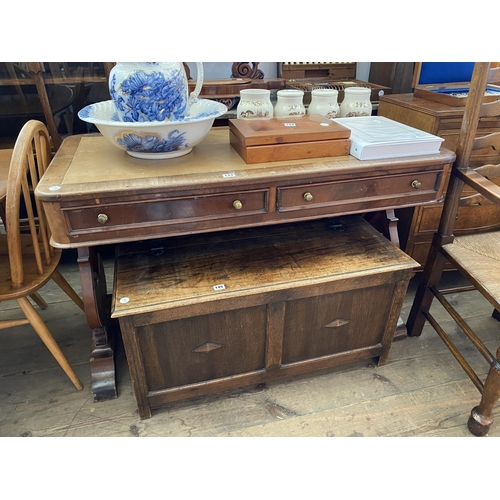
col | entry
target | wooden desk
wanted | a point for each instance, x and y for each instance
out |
(95, 194)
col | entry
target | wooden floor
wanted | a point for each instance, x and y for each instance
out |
(421, 391)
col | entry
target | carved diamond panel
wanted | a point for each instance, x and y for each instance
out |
(207, 347)
(336, 323)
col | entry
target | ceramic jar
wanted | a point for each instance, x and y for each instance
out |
(255, 103)
(324, 103)
(155, 91)
(289, 103)
(356, 102)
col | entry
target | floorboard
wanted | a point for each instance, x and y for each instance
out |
(421, 391)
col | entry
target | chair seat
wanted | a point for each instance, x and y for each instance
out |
(32, 280)
(480, 255)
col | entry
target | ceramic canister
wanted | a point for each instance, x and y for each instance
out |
(324, 103)
(356, 102)
(255, 103)
(289, 103)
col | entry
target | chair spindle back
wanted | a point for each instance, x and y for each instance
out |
(30, 158)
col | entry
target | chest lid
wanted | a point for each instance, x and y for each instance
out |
(287, 130)
(263, 264)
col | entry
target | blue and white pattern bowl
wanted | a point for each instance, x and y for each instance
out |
(155, 140)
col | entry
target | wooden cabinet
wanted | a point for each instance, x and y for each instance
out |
(231, 309)
(417, 224)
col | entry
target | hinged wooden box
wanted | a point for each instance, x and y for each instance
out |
(329, 70)
(289, 138)
(453, 94)
(207, 313)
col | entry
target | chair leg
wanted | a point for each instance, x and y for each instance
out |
(481, 416)
(423, 297)
(37, 299)
(66, 288)
(43, 332)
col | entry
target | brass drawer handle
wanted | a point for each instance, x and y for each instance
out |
(416, 184)
(102, 218)
(308, 196)
(237, 204)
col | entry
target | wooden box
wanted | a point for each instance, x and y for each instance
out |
(453, 94)
(208, 313)
(328, 70)
(290, 138)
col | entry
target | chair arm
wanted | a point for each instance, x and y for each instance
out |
(482, 184)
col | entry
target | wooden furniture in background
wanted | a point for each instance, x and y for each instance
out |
(204, 314)
(317, 70)
(27, 260)
(307, 76)
(60, 89)
(36, 70)
(476, 256)
(246, 70)
(244, 76)
(32, 99)
(395, 75)
(96, 194)
(417, 225)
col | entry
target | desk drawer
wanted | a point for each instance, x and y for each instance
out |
(167, 210)
(401, 189)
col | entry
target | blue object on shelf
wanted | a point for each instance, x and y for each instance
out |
(445, 72)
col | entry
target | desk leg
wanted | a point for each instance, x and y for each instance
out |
(387, 224)
(97, 309)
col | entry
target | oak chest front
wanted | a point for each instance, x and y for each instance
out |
(203, 314)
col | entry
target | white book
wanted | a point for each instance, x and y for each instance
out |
(376, 137)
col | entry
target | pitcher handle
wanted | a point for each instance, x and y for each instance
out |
(199, 83)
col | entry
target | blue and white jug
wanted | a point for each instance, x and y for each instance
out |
(152, 91)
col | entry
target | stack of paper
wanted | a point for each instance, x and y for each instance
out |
(376, 137)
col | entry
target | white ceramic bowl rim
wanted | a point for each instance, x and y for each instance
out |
(209, 111)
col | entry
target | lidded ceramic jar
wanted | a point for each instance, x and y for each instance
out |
(255, 103)
(356, 102)
(152, 91)
(289, 103)
(324, 103)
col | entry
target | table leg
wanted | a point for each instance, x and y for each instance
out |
(387, 223)
(97, 309)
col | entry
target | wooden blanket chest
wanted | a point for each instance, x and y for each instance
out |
(207, 313)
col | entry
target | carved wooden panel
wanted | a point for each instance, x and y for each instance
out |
(246, 70)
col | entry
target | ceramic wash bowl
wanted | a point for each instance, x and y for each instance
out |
(154, 140)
